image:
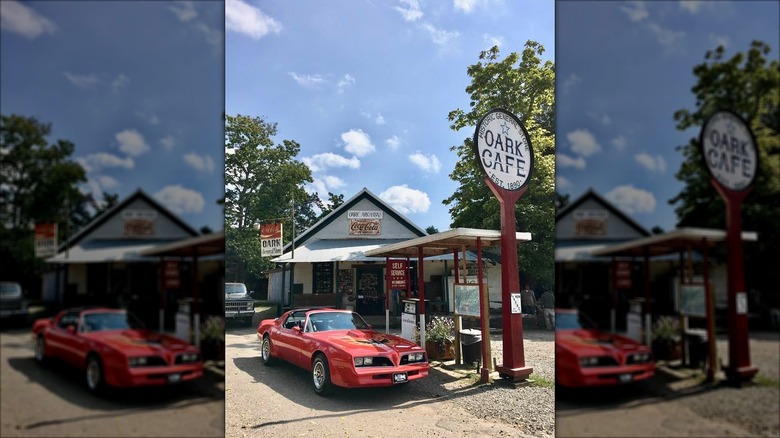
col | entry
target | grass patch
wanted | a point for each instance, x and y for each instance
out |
(543, 382)
(762, 380)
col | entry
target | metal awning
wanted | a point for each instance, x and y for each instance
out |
(199, 246)
(671, 242)
(445, 242)
(333, 250)
(104, 251)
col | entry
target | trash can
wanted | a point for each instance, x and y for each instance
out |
(696, 345)
(471, 341)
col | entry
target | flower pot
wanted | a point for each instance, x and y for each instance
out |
(439, 350)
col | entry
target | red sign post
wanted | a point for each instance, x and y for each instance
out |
(729, 151)
(503, 150)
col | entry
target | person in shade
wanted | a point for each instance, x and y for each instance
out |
(547, 300)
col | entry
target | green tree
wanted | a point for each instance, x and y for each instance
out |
(334, 202)
(748, 84)
(432, 230)
(263, 183)
(524, 85)
(38, 184)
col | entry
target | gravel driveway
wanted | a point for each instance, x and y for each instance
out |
(450, 402)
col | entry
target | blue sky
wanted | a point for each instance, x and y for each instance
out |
(623, 69)
(365, 87)
(138, 87)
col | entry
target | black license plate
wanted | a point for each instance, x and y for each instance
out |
(625, 378)
(174, 378)
(400, 378)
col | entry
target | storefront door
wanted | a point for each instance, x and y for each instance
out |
(370, 290)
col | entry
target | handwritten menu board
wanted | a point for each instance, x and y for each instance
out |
(323, 278)
(345, 282)
(368, 284)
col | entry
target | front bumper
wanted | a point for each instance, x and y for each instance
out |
(604, 376)
(347, 376)
(239, 313)
(124, 377)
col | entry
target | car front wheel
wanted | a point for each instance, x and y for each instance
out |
(265, 351)
(320, 374)
(40, 349)
(94, 374)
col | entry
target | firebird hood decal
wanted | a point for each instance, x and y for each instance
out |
(595, 342)
(138, 341)
(369, 341)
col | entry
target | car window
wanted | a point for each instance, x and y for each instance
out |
(235, 288)
(325, 321)
(109, 321)
(69, 318)
(293, 319)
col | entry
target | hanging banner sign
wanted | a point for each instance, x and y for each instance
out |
(729, 150)
(45, 240)
(171, 276)
(503, 150)
(270, 240)
(396, 271)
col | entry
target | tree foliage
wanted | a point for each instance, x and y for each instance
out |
(263, 184)
(749, 85)
(524, 85)
(39, 183)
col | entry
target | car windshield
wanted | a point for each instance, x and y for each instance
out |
(573, 321)
(10, 290)
(235, 288)
(94, 322)
(326, 321)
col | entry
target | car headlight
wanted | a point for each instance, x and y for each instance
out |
(364, 361)
(250, 306)
(189, 357)
(641, 357)
(589, 361)
(415, 357)
(138, 361)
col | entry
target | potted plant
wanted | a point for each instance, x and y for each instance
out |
(666, 338)
(439, 335)
(212, 343)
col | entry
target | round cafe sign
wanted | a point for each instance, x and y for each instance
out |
(729, 150)
(503, 149)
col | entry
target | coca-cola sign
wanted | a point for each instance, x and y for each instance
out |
(365, 227)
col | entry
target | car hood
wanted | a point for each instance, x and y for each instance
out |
(595, 342)
(230, 297)
(140, 342)
(367, 342)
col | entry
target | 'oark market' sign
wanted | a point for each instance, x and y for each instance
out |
(503, 149)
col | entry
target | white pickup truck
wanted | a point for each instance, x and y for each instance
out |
(238, 303)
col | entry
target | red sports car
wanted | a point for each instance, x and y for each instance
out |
(113, 349)
(339, 348)
(586, 356)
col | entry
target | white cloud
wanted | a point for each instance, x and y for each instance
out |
(636, 11)
(583, 142)
(467, 6)
(132, 142)
(82, 81)
(107, 182)
(406, 200)
(429, 164)
(571, 82)
(201, 163)
(333, 182)
(619, 142)
(357, 142)
(631, 199)
(244, 18)
(310, 81)
(412, 10)
(561, 182)
(691, 6)
(345, 82)
(720, 40)
(493, 40)
(184, 10)
(380, 120)
(168, 142)
(668, 38)
(393, 143)
(23, 20)
(440, 37)
(564, 160)
(120, 82)
(653, 164)
(102, 160)
(215, 37)
(320, 162)
(180, 200)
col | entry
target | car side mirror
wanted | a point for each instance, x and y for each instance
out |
(251, 293)
(296, 329)
(71, 328)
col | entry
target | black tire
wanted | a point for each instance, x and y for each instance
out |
(320, 373)
(94, 374)
(40, 350)
(265, 352)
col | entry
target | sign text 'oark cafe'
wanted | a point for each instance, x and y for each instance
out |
(730, 155)
(503, 150)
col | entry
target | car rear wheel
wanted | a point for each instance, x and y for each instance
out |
(320, 374)
(265, 351)
(40, 349)
(94, 374)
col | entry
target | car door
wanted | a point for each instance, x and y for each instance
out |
(62, 337)
(284, 337)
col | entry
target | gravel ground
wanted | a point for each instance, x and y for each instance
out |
(530, 408)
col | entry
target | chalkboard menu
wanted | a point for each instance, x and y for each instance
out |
(323, 278)
(345, 282)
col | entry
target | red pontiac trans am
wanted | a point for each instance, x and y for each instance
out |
(113, 349)
(586, 356)
(339, 348)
